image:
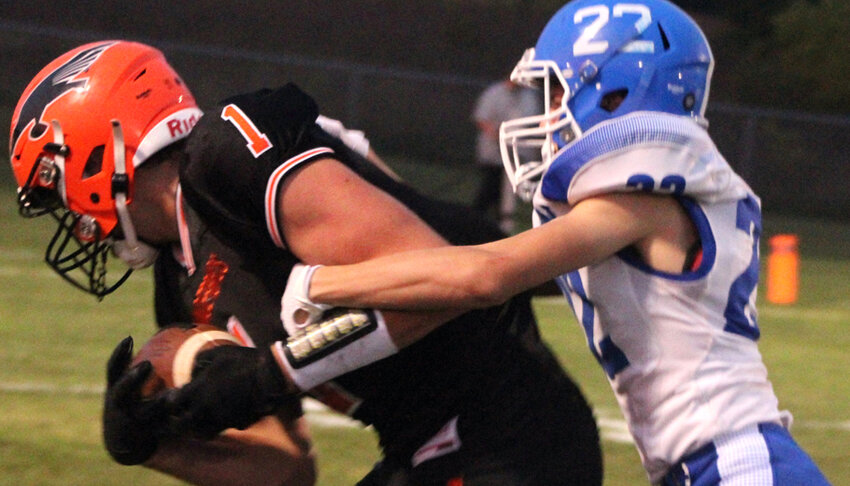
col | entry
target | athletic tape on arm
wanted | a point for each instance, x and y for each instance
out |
(334, 346)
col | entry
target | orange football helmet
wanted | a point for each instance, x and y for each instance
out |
(81, 127)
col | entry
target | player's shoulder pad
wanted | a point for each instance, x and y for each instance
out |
(281, 114)
(234, 150)
(263, 125)
(647, 151)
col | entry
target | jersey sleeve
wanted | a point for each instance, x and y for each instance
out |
(239, 154)
(649, 152)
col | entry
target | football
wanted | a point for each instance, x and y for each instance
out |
(172, 350)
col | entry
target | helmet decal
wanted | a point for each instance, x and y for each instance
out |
(121, 103)
(54, 86)
(600, 59)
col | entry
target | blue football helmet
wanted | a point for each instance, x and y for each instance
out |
(600, 59)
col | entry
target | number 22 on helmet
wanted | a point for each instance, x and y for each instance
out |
(79, 131)
(597, 60)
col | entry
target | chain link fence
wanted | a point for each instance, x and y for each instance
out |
(797, 162)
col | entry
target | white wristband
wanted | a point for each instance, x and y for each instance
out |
(334, 347)
(296, 300)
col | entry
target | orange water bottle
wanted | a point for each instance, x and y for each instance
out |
(783, 267)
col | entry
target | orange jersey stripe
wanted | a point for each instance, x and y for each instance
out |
(272, 186)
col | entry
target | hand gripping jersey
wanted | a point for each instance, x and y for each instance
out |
(679, 349)
(482, 388)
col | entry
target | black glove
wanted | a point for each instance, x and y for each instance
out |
(232, 386)
(132, 425)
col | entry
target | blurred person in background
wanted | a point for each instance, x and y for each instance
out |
(652, 237)
(504, 100)
(109, 141)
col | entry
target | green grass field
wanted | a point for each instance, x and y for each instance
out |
(55, 342)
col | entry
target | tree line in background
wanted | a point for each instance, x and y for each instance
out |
(809, 48)
(407, 72)
(789, 54)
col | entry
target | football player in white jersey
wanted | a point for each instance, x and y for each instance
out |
(649, 233)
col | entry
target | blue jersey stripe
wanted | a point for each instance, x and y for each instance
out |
(606, 138)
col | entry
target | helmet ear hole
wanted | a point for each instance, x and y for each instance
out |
(613, 99)
(664, 40)
(94, 164)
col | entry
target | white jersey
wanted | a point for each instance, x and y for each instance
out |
(679, 349)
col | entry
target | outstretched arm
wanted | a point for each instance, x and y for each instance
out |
(478, 276)
(443, 278)
(331, 216)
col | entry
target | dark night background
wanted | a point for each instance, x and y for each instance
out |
(407, 72)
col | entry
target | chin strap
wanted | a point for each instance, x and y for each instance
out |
(133, 252)
(59, 158)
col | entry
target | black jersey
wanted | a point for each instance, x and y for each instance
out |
(482, 385)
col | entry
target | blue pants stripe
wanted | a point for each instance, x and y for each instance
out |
(735, 459)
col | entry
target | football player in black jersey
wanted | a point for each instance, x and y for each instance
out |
(108, 140)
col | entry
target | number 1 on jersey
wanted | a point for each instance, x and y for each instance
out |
(258, 142)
